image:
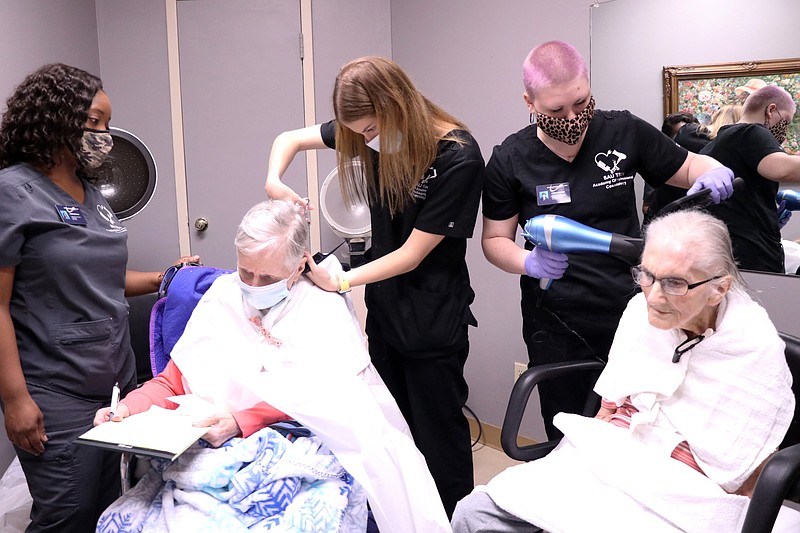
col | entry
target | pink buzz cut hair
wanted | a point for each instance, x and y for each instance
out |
(771, 94)
(552, 63)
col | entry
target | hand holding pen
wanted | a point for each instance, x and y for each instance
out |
(115, 412)
(114, 401)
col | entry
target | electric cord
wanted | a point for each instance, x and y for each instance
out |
(478, 421)
(573, 332)
(566, 327)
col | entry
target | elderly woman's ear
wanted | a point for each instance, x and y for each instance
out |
(298, 271)
(721, 288)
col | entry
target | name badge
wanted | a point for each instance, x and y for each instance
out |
(71, 214)
(554, 193)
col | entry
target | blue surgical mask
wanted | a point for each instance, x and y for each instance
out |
(267, 296)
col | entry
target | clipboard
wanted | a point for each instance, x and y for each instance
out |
(157, 432)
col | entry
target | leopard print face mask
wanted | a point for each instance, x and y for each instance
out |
(566, 130)
(779, 130)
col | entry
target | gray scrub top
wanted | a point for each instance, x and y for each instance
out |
(68, 300)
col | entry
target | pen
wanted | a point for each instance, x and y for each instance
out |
(114, 400)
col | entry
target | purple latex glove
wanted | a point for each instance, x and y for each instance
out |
(542, 263)
(719, 181)
(783, 214)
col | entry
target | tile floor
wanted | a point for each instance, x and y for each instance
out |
(488, 462)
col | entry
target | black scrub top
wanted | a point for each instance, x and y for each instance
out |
(67, 303)
(690, 138)
(422, 313)
(525, 179)
(751, 215)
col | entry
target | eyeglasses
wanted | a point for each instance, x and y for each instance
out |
(673, 286)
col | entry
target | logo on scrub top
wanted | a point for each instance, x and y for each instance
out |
(420, 191)
(113, 224)
(609, 162)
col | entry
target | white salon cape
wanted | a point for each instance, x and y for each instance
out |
(320, 375)
(730, 397)
(791, 256)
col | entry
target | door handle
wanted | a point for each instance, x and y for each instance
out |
(201, 224)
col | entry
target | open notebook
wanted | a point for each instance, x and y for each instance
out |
(157, 432)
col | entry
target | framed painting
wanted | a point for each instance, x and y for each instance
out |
(702, 89)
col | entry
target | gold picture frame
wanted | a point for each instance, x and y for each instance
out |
(701, 89)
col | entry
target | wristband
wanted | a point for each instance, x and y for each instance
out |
(344, 284)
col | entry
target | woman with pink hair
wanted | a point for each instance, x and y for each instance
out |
(578, 162)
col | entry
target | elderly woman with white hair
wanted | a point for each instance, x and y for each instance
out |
(695, 398)
(266, 344)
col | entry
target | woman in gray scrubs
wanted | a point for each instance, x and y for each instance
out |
(64, 339)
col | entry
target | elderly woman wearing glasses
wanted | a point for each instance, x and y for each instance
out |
(695, 398)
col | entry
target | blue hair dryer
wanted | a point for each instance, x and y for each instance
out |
(562, 234)
(792, 199)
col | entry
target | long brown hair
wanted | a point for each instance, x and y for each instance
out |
(377, 87)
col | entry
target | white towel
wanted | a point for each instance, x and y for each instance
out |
(599, 479)
(729, 397)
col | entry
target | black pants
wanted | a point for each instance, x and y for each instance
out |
(431, 392)
(71, 484)
(552, 339)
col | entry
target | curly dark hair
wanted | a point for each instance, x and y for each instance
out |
(46, 114)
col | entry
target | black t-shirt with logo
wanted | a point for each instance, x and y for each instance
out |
(524, 178)
(751, 214)
(422, 312)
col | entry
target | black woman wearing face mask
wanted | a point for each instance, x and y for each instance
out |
(752, 149)
(64, 339)
(580, 163)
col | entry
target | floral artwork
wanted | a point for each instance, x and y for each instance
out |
(701, 90)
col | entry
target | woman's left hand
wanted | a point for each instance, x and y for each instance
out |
(222, 428)
(604, 414)
(320, 276)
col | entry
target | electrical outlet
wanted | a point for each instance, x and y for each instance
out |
(519, 368)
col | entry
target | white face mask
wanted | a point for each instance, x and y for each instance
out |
(266, 296)
(375, 144)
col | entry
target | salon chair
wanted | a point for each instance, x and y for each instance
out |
(141, 320)
(139, 311)
(779, 481)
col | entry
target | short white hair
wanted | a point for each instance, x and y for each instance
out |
(274, 225)
(704, 234)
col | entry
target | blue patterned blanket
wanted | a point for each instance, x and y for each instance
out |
(262, 483)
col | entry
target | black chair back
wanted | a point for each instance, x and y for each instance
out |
(139, 322)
